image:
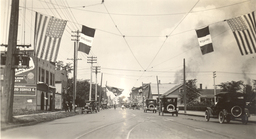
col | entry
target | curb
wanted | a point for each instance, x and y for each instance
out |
(203, 116)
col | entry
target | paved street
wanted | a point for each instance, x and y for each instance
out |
(132, 124)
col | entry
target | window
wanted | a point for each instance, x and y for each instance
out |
(51, 79)
(39, 74)
(47, 77)
(42, 77)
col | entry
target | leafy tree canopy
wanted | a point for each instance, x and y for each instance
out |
(61, 66)
(192, 92)
(231, 87)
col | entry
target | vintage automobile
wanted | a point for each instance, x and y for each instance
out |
(150, 105)
(104, 106)
(90, 106)
(135, 106)
(229, 106)
(168, 105)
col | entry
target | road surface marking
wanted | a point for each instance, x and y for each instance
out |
(128, 135)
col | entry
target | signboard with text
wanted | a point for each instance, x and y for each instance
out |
(24, 90)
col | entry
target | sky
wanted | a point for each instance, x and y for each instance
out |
(137, 41)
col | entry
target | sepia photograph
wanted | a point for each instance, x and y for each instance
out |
(128, 69)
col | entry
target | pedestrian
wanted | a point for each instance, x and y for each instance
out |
(70, 106)
(65, 107)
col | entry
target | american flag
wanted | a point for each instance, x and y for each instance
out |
(244, 30)
(47, 36)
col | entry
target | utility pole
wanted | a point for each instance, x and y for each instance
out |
(184, 86)
(91, 60)
(76, 40)
(9, 72)
(100, 98)
(214, 76)
(96, 70)
(160, 108)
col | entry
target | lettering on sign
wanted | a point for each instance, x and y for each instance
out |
(24, 91)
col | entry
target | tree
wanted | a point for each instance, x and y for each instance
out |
(61, 66)
(231, 87)
(82, 91)
(192, 93)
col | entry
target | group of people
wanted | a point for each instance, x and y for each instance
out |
(67, 106)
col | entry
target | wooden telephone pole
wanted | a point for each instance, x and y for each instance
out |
(184, 86)
(76, 40)
(9, 72)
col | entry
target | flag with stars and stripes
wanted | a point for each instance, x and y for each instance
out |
(244, 30)
(47, 36)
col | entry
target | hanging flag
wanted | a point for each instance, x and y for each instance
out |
(116, 91)
(204, 40)
(86, 39)
(244, 31)
(47, 36)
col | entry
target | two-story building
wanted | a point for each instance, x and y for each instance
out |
(34, 87)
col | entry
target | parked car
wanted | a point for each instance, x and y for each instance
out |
(229, 107)
(135, 106)
(90, 106)
(168, 105)
(150, 105)
(104, 106)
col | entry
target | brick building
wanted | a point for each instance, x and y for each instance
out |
(34, 87)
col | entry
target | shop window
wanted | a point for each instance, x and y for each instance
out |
(47, 77)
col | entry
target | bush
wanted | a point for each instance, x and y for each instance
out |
(196, 106)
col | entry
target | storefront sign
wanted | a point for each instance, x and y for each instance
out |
(24, 90)
(20, 79)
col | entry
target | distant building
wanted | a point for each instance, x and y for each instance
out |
(139, 94)
(61, 79)
(172, 90)
(165, 88)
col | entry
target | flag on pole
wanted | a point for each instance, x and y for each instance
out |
(115, 90)
(204, 40)
(47, 36)
(86, 39)
(244, 30)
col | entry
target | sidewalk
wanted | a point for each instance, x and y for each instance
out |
(252, 117)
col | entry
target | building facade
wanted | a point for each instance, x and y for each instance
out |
(61, 79)
(34, 87)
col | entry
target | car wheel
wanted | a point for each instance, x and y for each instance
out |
(236, 111)
(228, 118)
(245, 119)
(221, 117)
(207, 116)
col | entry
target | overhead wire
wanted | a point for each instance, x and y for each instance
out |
(131, 36)
(123, 37)
(153, 15)
(168, 36)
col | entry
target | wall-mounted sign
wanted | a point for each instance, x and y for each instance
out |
(21, 79)
(24, 90)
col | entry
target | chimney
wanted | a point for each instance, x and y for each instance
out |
(201, 86)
